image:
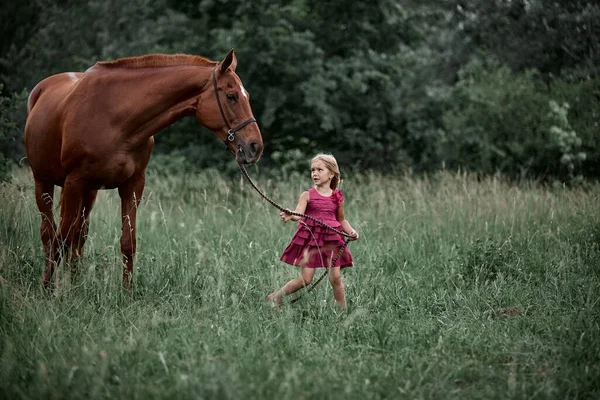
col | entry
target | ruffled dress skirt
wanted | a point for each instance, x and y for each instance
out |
(314, 246)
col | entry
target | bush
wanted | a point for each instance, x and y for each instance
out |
(583, 96)
(12, 123)
(495, 120)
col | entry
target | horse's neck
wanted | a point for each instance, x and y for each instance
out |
(154, 98)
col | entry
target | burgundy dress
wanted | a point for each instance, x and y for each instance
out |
(314, 246)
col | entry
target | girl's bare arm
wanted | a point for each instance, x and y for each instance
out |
(300, 208)
(344, 222)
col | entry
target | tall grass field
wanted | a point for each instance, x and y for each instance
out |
(462, 289)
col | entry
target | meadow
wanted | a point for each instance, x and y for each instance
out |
(463, 288)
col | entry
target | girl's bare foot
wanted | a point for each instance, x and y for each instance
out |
(276, 298)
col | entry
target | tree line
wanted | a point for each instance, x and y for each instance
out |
(490, 86)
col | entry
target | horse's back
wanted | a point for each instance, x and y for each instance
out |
(43, 129)
(57, 87)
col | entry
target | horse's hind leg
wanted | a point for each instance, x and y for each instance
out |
(75, 203)
(44, 194)
(89, 197)
(80, 230)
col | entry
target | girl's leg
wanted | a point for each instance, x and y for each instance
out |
(335, 278)
(292, 286)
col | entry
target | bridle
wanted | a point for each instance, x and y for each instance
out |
(231, 132)
(317, 221)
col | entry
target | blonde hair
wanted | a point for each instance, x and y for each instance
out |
(332, 165)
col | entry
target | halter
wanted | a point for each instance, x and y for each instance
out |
(231, 132)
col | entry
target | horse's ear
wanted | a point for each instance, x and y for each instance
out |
(230, 61)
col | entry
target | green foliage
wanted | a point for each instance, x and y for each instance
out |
(499, 121)
(323, 87)
(96, 30)
(583, 98)
(553, 37)
(385, 86)
(12, 123)
(564, 138)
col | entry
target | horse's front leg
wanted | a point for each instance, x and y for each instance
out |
(131, 195)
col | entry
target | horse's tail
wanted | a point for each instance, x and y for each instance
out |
(33, 98)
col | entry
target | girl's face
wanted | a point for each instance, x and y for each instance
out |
(321, 176)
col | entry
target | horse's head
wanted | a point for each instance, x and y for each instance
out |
(225, 109)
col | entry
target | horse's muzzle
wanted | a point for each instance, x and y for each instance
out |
(249, 153)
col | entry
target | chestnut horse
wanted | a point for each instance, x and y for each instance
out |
(95, 130)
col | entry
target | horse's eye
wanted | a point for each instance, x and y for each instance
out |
(230, 96)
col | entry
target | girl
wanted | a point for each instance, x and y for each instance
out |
(314, 246)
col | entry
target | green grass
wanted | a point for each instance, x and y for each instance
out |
(461, 289)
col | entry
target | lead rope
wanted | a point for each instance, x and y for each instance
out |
(317, 221)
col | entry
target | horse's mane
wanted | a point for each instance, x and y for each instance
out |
(157, 60)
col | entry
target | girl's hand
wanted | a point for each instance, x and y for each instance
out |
(354, 234)
(285, 215)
